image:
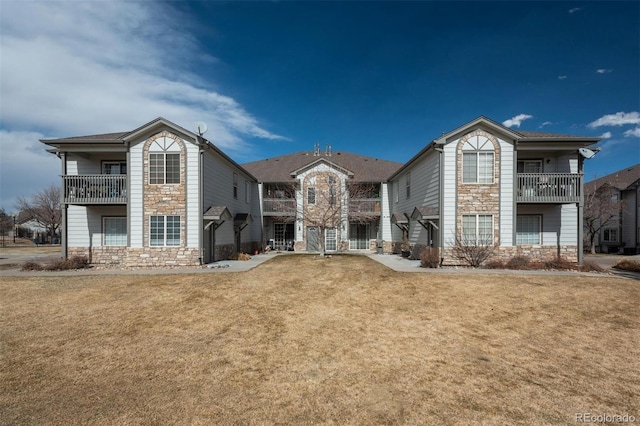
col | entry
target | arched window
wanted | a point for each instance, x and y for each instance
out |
(477, 160)
(164, 161)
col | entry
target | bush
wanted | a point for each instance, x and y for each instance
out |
(495, 264)
(628, 265)
(518, 262)
(239, 256)
(429, 257)
(474, 253)
(30, 265)
(588, 266)
(558, 263)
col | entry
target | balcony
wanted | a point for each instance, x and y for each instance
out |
(95, 189)
(549, 188)
(279, 206)
(364, 207)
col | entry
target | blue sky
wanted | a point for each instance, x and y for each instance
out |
(269, 78)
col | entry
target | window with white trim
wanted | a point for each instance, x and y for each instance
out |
(529, 229)
(311, 195)
(477, 160)
(114, 231)
(235, 186)
(164, 230)
(477, 229)
(408, 183)
(164, 161)
(610, 235)
(247, 192)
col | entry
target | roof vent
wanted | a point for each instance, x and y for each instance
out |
(316, 149)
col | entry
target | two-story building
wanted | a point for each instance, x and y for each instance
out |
(486, 184)
(162, 195)
(158, 195)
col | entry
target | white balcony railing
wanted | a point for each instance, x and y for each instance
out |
(95, 189)
(549, 187)
(279, 206)
(364, 206)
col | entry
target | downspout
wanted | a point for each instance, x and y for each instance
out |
(514, 223)
(580, 210)
(64, 234)
(200, 201)
(441, 203)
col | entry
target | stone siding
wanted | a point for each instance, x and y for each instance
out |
(534, 253)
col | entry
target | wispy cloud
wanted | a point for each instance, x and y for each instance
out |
(617, 119)
(562, 77)
(517, 120)
(93, 67)
(604, 70)
(575, 9)
(546, 123)
(633, 132)
(606, 135)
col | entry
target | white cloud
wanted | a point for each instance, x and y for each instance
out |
(76, 68)
(604, 70)
(546, 123)
(606, 135)
(633, 132)
(517, 120)
(562, 77)
(617, 119)
(575, 9)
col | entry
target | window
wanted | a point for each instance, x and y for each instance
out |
(247, 192)
(610, 235)
(614, 198)
(397, 191)
(528, 229)
(114, 168)
(477, 167)
(164, 231)
(408, 179)
(332, 195)
(114, 231)
(530, 166)
(164, 168)
(235, 186)
(477, 229)
(311, 195)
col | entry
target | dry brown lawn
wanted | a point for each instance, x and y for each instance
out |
(300, 340)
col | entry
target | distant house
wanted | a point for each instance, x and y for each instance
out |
(622, 233)
(162, 195)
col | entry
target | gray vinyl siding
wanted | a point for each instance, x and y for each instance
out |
(136, 194)
(387, 205)
(629, 219)
(85, 223)
(557, 221)
(448, 214)
(193, 209)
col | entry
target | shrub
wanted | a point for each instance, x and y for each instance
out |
(239, 256)
(628, 265)
(558, 263)
(75, 262)
(518, 262)
(495, 264)
(588, 266)
(30, 265)
(429, 257)
(474, 253)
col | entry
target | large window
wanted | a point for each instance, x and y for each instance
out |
(359, 236)
(610, 235)
(528, 229)
(114, 231)
(164, 231)
(164, 168)
(477, 167)
(477, 229)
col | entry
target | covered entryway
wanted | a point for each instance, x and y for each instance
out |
(213, 218)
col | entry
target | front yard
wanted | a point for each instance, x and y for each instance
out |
(303, 340)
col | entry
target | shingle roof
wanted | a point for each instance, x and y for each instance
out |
(533, 134)
(106, 137)
(365, 169)
(621, 179)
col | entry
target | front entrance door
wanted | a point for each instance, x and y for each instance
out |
(313, 239)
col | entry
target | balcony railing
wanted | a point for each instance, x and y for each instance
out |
(364, 206)
(95, 189)
(549, 188)
(279, 206)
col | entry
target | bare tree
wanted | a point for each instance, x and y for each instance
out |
(326, 205)
(474, 251)
(44, 208)
(602, 208)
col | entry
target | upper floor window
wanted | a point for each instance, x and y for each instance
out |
(477, 160)
(408, 182)
(235, 186)
(311, 195)
(114, 168)
(610, 235)
(164, 161)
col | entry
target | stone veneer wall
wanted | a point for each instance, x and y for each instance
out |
(478, 198)
(139, 257)
(533, 252)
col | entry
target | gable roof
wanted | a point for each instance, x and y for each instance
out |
(364, 169)
(621, 180)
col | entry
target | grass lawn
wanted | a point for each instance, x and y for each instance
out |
(304, 340)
